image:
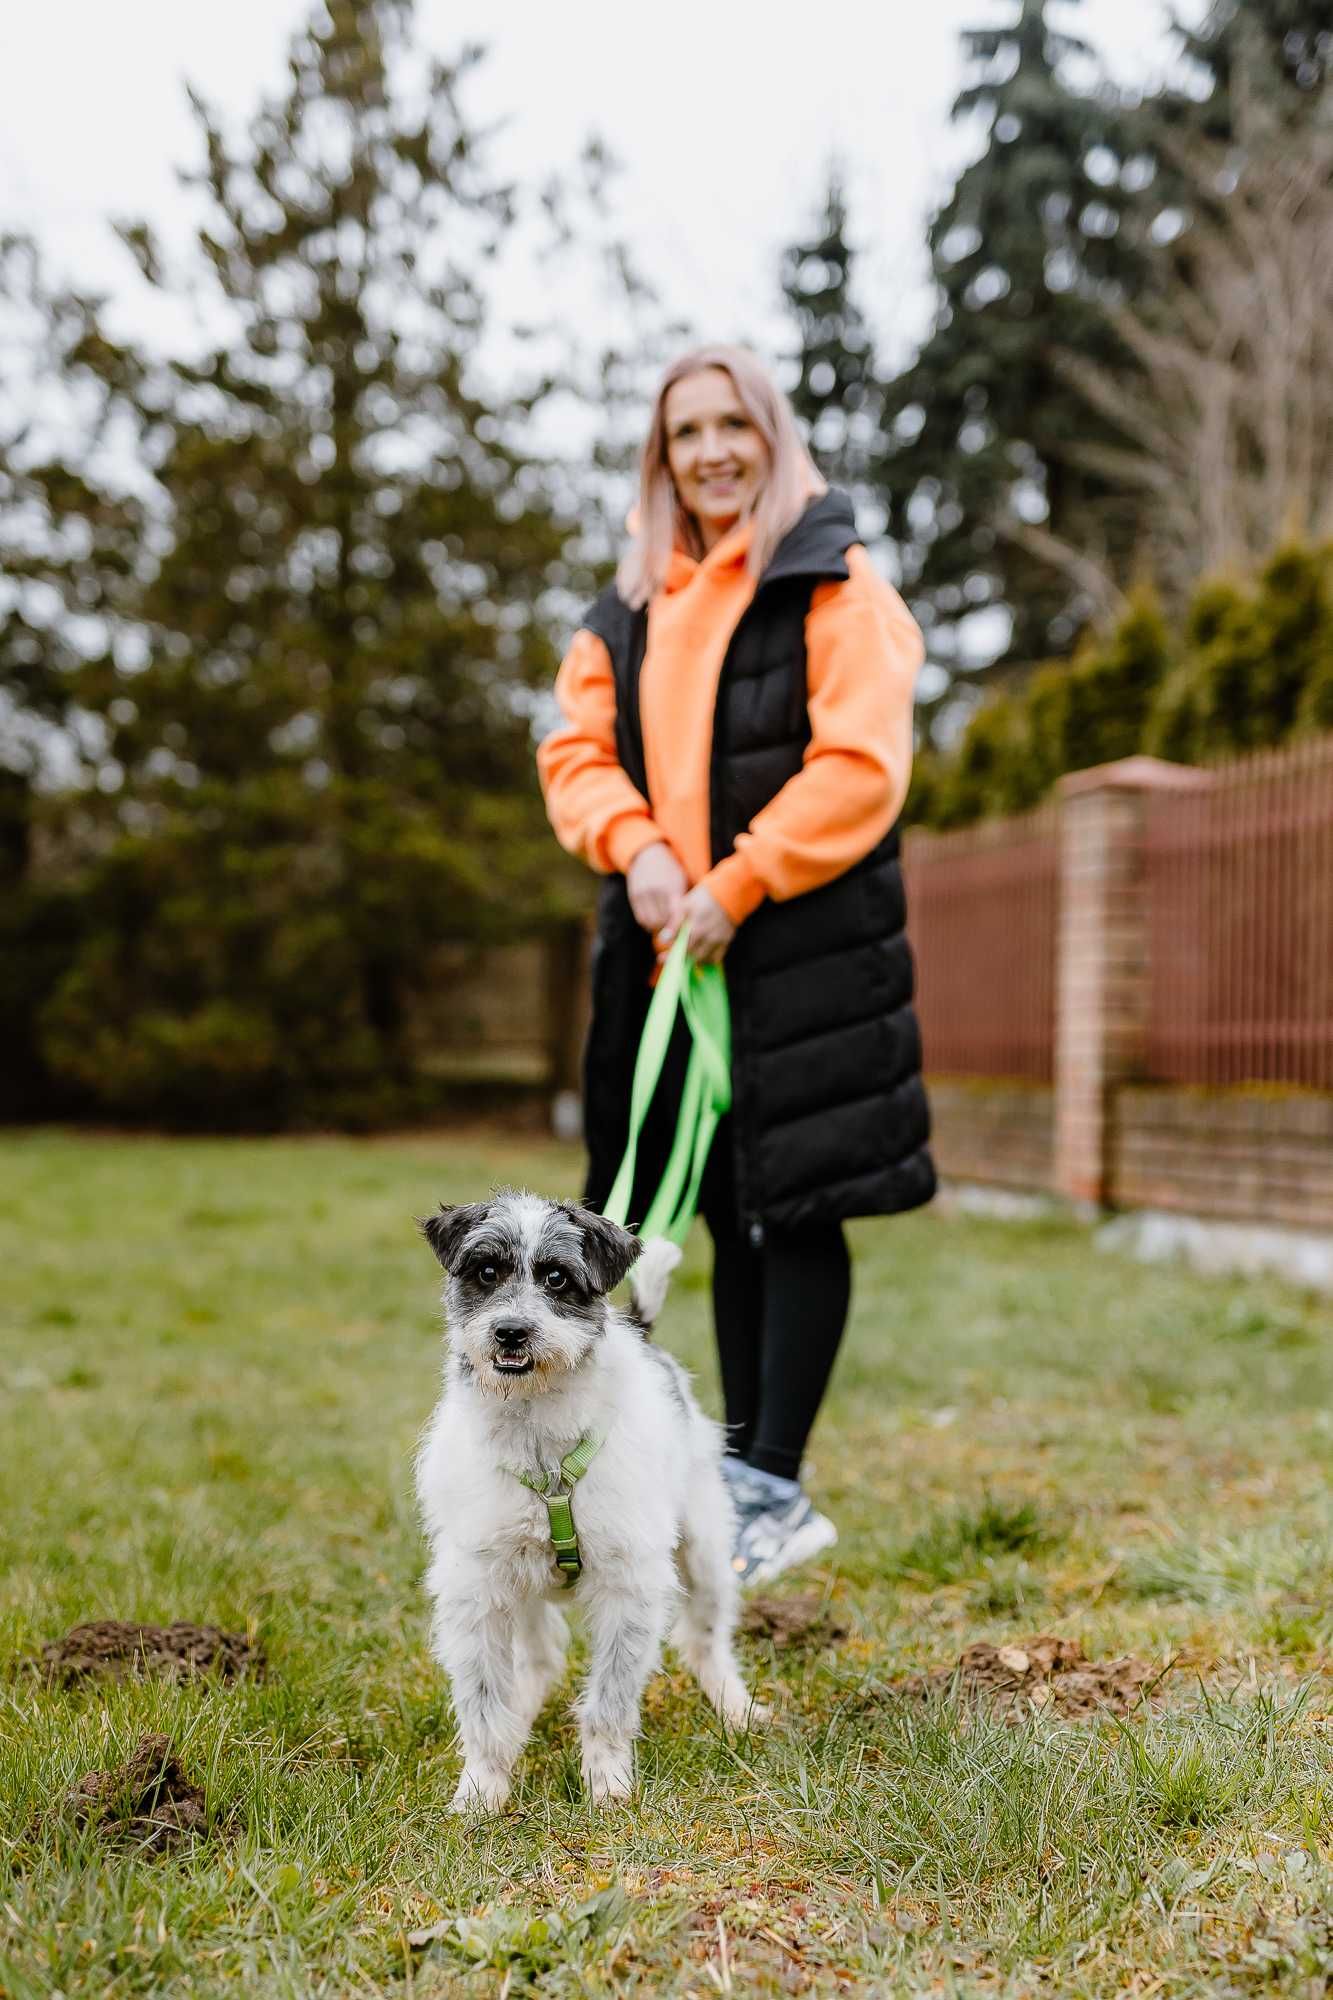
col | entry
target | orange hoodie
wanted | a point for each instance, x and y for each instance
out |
(863, 650)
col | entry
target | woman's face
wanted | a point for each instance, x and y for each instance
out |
(716, 457)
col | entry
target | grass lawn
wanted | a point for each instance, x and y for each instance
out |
(214, 1362)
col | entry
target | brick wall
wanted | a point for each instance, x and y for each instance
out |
(1259, 1156)
(1249, 1155)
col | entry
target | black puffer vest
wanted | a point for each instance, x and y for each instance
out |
(829, 1116)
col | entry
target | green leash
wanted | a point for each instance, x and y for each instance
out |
(702, 991)
(558, 1493)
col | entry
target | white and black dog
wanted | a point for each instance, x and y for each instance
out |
(537, 1361)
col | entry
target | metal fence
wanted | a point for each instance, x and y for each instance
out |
(1239, 879)
(983, 911)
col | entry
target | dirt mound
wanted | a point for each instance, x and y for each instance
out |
(112, 1647)
(146, 1802)
(789, 1621)
(1044, 1673)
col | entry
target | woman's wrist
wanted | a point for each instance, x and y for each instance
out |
(735, 887)
(628, 838)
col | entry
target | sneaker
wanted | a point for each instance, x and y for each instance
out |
(776, 1524)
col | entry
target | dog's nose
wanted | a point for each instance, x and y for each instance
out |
(511, 1333)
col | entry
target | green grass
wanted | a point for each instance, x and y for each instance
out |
(214, 1361)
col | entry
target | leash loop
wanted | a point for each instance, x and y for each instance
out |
(701, 990)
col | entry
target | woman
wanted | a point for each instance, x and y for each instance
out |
(736, 749)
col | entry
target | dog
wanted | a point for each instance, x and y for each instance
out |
(537, 1359)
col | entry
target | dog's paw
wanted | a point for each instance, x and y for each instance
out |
(609, 1781)
(607, 1792)
(479, 1791)
(747, 1714)
(738, 1708)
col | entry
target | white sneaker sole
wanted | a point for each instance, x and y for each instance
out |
(818, 1534)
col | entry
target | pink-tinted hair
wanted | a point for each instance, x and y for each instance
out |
(663, 524)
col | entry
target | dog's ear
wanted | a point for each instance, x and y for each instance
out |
(608, 1249)
(445, 1232)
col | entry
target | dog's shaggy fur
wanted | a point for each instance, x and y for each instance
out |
(536, 1357)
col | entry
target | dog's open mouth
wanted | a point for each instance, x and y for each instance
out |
(513, 1364)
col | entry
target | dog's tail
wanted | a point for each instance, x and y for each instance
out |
(649, 1280)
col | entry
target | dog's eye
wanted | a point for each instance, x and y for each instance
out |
(556, 1281)
(488, 1275)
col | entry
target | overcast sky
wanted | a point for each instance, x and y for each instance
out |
(723, 123)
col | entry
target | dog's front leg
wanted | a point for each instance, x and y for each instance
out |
(627, 1618)
(540, 1638)
(475, 1647)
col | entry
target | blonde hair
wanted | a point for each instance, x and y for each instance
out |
(663, 524)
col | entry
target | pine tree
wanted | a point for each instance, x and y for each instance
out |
(71, 540)
(1251, 67)
(70, 535)
(1037, 235)
(327, 761)
(1293, 39)
(836, 393)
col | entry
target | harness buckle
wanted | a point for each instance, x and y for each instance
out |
(557, 1491)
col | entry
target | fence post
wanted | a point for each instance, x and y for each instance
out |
(1102, 970)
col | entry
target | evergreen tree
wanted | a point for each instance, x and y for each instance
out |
(70, 537)
(1293, 39)
(327, 761)
(1111, 687)
(1253, 658)
(1066, 717)
(989, 771)
(71, 540)
(837, 393)
(1038, 234)
(1251, 668)
(1255, 70)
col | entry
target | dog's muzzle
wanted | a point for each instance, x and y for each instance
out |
(512, 1348)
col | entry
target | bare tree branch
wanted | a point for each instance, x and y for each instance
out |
(1082, 569)
(1228, 417)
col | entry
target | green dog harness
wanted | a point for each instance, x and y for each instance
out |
(701, 992)
(558, 1493)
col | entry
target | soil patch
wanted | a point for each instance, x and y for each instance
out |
(111, 1647)
(1044, 1673)
(146, 1802)
(791, 1621)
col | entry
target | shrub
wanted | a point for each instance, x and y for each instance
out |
(1252, 668)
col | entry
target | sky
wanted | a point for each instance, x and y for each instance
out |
(723, 124)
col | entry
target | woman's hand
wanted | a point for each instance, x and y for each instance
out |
(656, 883)
(711, 929)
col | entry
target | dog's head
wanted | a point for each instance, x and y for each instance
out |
(527, 1286)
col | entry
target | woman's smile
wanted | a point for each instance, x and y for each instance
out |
(717, 458)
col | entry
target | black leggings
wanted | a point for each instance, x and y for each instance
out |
(780, 1308)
